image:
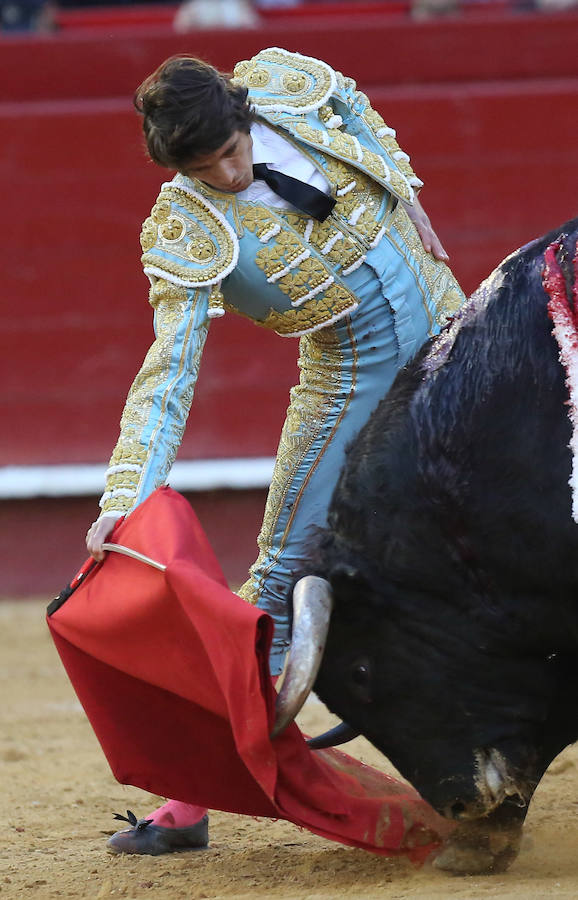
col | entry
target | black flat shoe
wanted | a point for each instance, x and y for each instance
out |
(147, 839)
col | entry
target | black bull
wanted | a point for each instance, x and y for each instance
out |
(452, 557)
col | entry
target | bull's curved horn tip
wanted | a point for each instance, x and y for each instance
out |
(312, 602)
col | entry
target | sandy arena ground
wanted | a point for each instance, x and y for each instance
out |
(58, 797)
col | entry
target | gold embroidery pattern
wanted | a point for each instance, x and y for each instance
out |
(321, 381)
(446, 294)
(279, 254)
(280, 260)
(216, 302)
(163, 291)
(346, 146)
(131, 454)
(313, 135)
(257, 220)
(148, 235)
(332, 246)
(325, 113)
(343, 250)
(328, 306)
(292, 80)
(193, 247)
(259, 77)
(388, 141)
(366, 194)
(172, 230)
(127, 459)
(161, 211)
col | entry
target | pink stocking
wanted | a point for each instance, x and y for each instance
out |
(174, 814)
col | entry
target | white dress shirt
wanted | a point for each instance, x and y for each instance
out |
(280, 154)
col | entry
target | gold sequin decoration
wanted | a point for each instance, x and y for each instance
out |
(216, 299)
(446, 294)
(344, 145)
(310, 274)
(399, 186)
(149, 233)
(375, 163)
(201, 248)
(325, 113)
(307, 82)
(367, 193)
(165, 292)
(161, 211)
(312, 400)
(258, 78)
(313, 135)
(388, 142)
(257, 220)
(172, 230)
(294, 82)
(131, 454)
(344, 252)
(279, 253)
(332, 304)
(172, 308)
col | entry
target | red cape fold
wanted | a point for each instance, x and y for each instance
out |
(172, 671)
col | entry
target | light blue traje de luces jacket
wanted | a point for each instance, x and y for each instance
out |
(206, 252)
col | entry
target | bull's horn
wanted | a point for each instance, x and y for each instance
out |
(341, 734)
(312, 603)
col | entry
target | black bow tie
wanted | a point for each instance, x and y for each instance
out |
(303, 196)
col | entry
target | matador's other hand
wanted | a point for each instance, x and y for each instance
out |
(429, 238)
(97, 535)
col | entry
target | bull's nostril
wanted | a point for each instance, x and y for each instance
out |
(457, 809)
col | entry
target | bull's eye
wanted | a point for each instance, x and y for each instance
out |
(360, 675)
(360, 680)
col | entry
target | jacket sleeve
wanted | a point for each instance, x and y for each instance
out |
(358, 103)
(159, 400)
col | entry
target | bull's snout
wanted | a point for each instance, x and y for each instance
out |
(493, 782)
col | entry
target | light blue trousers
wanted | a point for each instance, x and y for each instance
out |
(346, 369)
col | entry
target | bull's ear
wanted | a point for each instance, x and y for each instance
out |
(348, 584)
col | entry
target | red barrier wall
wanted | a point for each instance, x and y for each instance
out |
(376, 50)
(487, 109)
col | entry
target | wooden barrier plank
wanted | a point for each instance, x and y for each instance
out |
(372, 49)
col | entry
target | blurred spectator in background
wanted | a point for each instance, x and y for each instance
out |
(429, 9)
(226, 13)
(26, 15)
(278, 4)
(554, 5)
(215, 14)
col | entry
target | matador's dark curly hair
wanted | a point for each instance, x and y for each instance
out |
(190, 109)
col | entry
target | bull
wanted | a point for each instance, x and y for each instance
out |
(450, 563)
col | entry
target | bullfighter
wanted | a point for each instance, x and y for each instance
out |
(293, 205)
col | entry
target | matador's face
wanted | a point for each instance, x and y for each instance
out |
(229, 168)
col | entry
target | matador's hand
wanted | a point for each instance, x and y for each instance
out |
(97, 535)
(429, 238)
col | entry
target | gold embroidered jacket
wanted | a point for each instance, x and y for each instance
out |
(205, 251)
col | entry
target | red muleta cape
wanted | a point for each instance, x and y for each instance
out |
(172, 671)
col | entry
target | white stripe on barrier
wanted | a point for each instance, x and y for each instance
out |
(26, 482)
